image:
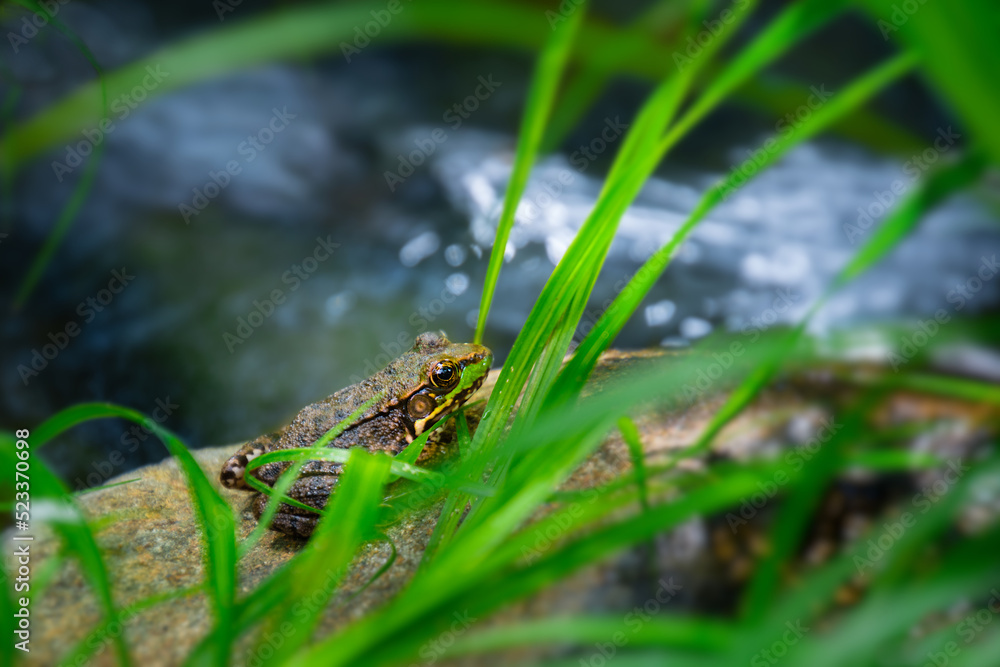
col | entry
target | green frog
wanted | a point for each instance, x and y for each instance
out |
(411, 394)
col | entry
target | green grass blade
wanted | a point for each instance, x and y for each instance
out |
(309, 30)
(699, 634)
(799, 507)
(954, 387)
(550, 450)
(288, 477)
(550, 325)
(614, 318)
(354, 511)
(585, 85)
(941, 184)
(71, 525)
(630, 434)
(795, 23)
(957, 43)
(896, 227)
(216, 518)
(82, 188)
(538, 108)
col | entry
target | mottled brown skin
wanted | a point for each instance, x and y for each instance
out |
(388, 425)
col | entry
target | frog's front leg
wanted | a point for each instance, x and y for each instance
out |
(313, 490)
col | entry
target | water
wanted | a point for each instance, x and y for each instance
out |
(254, 243)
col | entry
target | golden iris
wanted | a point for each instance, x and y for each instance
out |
(444, 374)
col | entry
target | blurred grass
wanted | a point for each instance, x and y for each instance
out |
(536, 428)
(83, 185)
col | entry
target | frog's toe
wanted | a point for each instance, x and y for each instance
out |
(234, 469)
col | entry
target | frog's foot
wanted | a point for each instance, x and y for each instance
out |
(234, 469)
(312, 490)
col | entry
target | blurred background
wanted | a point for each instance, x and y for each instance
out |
(271, 229)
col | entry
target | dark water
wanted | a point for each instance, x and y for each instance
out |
(255, 242)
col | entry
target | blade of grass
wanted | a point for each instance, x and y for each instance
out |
(961, 388)
(630, 434)
(461, 567)
(82, 188)
(958, 52)
(699, 634)
(304, 31)
(551, 323)
(611, 322)
(799, 507)
(355, 508)
(614, 318)
(288, 477)
(940, 185)
(216, 518)
(337, 455)
(805, 601)
(538, 107)
(585, 85)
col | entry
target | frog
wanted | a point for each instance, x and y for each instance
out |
(407, 397)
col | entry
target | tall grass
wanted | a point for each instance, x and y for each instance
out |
(536, 429)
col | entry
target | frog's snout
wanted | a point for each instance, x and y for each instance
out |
(486, 354)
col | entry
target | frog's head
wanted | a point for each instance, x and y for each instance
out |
(446, 375)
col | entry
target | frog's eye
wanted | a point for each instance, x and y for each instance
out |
(444, 373)
(419, 406)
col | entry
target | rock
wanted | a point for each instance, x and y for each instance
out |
(152, 544)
